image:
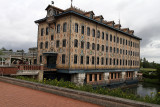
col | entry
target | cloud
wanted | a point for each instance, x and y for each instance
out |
(18, 30)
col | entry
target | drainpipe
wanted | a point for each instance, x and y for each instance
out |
(70, 41)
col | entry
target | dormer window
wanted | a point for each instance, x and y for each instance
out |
(91, 15)
(101, 19)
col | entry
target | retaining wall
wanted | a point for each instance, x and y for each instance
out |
(102, 100)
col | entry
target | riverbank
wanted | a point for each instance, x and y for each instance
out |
(99, 90)
(153, 81)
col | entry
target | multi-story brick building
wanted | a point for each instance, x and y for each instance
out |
(87, 48)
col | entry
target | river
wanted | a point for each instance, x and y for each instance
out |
(143, 89)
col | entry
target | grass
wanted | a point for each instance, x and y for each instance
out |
(99, 90)
(147, 69)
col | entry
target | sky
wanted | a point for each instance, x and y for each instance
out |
(18, 30)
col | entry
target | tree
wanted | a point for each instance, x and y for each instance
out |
(4, 49)
(158, 73)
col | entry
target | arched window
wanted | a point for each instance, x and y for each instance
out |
(76, 43)
(98, 34)
(88, 31)
(82, 44)
(93, 32)
(82, 30)
(42, 31)
(110, 37)
(47, 30)
(76, 27)
(65, 27)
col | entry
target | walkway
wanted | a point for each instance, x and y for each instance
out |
(16, 96)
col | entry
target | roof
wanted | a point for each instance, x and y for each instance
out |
(76, 12)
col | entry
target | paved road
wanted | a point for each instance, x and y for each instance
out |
(16, 96)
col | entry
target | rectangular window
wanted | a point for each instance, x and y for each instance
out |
(64, 27)
(82, 44)
(81, 59)
(90, 77)
(58, 28)
(88, 31)
(82, 30)
(111, 49)
(75, 59)
(76, 43)
(76, 27)
(120, 40)
(47, 31)
(117, 39)
(123, 41)
(117, 50)
(97, 60)
(97, 47)
(63, 59)
(106, 36)
(93, 46)
(98, 34)
(111, 38)
(114, 39)
(102, 61)
(40, 59)
(102, 35)
(95, 77)
(106, 48)
(92, 60)
(102, 47)
(93, 33)
(64, 43)
(87, 62)
(126, 42)
(52, 37)
(110, 61)
(100, 77)
(57, 43)
(88, 45)
(42, 31)
(106, 61)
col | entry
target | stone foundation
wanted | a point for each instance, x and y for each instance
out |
(78, 78)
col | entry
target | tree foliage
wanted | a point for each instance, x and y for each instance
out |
(145, 64)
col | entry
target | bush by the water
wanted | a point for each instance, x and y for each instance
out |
(99, 90)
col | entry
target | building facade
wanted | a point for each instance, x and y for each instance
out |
(86, 47)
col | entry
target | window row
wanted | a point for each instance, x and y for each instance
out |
(103, 48)
(104, 61)
(103, 36)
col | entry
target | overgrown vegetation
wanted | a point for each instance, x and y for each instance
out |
(99, 90)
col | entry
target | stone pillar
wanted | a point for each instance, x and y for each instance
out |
(106, 76)
(135, 74)
(78, 78)
(40, 76)
(123, 75)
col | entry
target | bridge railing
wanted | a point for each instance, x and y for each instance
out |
(30, 67)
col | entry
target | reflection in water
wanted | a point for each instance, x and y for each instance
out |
(143, 89)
